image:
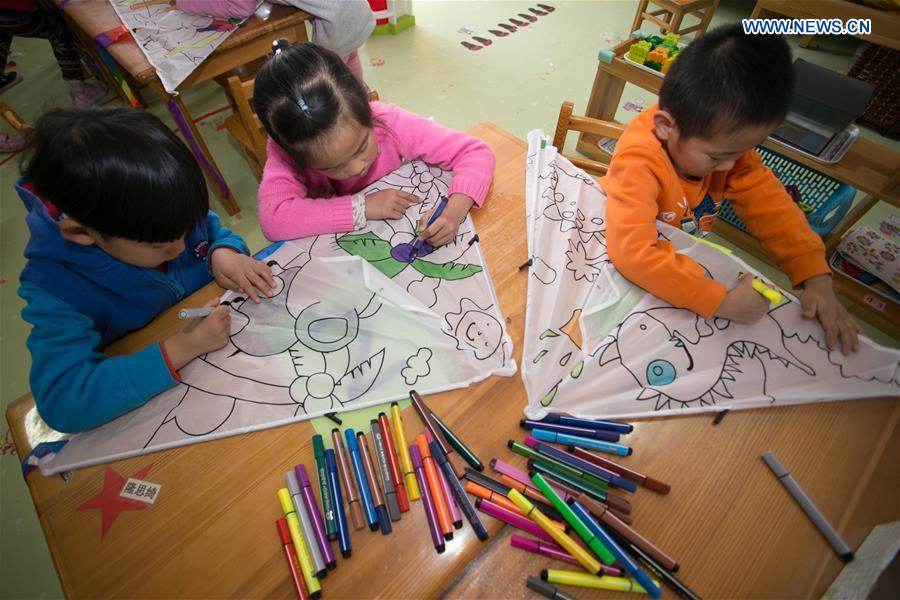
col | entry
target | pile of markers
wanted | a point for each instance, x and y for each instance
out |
(570, 494)
(375, 487)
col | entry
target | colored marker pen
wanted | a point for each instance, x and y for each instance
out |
(597, 434)
(195, 313)
(403, 450)
(312, 507)
(425, 414)
(587, 467)
(593, 541)
(514, 519)
(639, 478)
(427, 502)
(616, 584)
(622, 428)
(621, 556)
(551, 550)
(531, 453)
(584, 557)
(438, 209)
(546, 590)
(614, 523)
(384, 469)
(571, 440)
(324, 492)
(306, 526)
(523, 478)
(348, 480)
(458, 444)
(362, 482)
(456, 487)
(394, 463)
(501, 488)
(616, 502)
(437, 491)
(381, 513)
(306, 563)
(290, 554)
(340, 518)
(455, 515)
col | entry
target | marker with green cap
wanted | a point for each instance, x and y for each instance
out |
(324, 490)
(592, 541)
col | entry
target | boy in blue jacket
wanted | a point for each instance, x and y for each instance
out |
(120, 231)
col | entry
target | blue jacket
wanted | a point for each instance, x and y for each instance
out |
(80, 299)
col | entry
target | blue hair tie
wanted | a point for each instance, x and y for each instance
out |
(303, 106)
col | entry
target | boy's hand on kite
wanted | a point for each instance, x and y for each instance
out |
(199, 336)
(818, 300)
(389, 204)
(743, 304)
(444, 228)
(238, 272)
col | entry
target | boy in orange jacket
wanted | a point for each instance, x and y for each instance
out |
(677, 160)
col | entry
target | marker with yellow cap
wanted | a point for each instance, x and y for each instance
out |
(769, 293)
(606, 582)
(409, 473)
(583, 556)
(306, 563)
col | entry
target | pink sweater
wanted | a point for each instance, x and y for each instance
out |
(286, 210)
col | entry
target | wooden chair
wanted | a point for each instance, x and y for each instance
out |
(245, 126)
(670, 14)
(567, 122)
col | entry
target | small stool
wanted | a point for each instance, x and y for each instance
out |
(671, 13)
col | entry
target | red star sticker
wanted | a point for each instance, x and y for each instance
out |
(108, 500)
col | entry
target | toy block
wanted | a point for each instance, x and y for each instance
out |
(638, 52)
(657, 55)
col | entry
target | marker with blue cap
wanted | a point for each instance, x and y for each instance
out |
(417, 244)
(610, 544)
(572, 440)
(361, 481)
(337, 501)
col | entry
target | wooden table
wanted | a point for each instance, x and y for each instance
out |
(728, 521)
(252, 41)
(868, 166)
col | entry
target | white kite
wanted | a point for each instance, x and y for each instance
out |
(356, 321)
(174, 42)
(597, 346)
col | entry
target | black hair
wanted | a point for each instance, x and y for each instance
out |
(727, 79)
(119, 171)
(302, 92)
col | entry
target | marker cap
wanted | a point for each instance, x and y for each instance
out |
(416, 457)
(318, 446)
(350, 436)
(284, 497)
(302, 476)
(283, 531)
(293, 485)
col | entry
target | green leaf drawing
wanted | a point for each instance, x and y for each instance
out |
(549, 396)
(565, 359)
(549, 333)
(389, 266)
(576, 371)
(366, 245)
(540, 355)
(449, 271)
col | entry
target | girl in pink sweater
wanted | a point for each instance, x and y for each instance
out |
(328, 142)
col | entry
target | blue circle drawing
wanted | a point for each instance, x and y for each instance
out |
(660, 372)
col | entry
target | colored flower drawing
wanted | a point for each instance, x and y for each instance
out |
(391, 258)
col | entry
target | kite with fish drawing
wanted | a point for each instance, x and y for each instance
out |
(598, 346)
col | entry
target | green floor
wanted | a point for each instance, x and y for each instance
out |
(518, 82)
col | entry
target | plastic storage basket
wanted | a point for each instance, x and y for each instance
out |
(829, 199)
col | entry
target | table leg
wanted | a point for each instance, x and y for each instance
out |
(195, 142)
(605, 95)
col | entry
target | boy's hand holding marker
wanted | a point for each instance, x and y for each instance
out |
(241, 273)
(818, 300)
(199, 336)
(443, 229)
(743, 304)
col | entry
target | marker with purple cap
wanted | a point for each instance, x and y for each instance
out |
(417, 244)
